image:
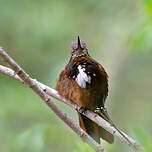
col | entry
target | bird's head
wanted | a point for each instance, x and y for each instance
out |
(79, 49)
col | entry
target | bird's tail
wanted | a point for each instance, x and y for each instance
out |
(95, 131)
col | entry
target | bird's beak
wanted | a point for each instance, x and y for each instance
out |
(79, 43)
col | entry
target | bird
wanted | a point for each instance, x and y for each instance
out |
(85, 82)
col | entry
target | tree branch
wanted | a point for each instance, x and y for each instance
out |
(94, 117)
(24, 77)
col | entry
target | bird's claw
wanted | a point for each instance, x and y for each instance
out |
(98, 110)
(82, 110)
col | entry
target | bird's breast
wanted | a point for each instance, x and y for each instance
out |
(83, 72)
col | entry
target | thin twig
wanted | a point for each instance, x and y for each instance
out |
(39, 91)
(94, 117)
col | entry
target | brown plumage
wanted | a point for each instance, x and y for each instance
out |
(84, 81)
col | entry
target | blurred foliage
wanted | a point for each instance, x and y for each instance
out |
(33, 137)
(144, 138)
(83, 147)
(142, 36)
(37, 35)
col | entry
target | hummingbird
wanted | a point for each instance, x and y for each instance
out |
(84, 81)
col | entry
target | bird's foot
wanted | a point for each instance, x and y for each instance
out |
(82, 110)
(98, 110)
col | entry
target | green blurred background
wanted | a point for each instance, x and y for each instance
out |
(37, 34)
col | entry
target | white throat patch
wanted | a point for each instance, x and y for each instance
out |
(82, 78)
